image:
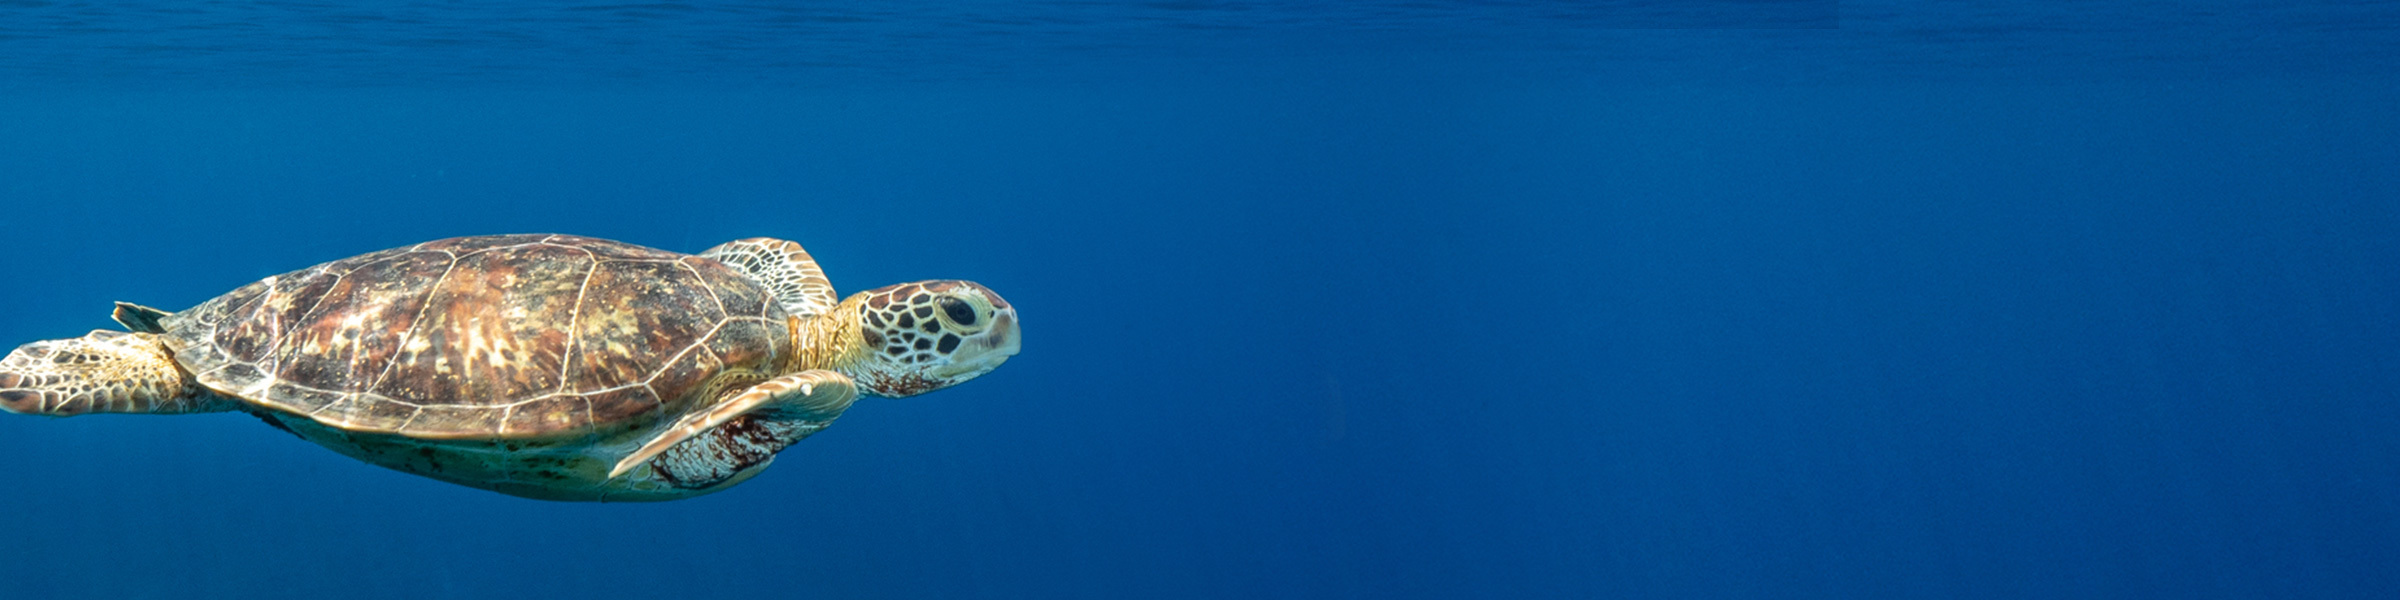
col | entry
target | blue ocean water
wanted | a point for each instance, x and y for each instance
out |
(1499, 299)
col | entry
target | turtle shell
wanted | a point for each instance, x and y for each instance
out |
(494, 337)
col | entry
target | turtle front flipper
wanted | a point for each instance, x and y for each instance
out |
(708, 447)
(781, 267)
(105, 371)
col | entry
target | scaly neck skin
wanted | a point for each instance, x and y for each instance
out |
(827, 341)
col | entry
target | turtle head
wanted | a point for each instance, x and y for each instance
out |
(924, 336)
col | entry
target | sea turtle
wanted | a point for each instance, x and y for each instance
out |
(545, 366)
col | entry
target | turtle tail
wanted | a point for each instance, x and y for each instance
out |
(138, 318)
(106, 371)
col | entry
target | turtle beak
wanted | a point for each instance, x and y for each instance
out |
(984, 353)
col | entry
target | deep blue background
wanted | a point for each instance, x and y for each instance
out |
(1414, 301)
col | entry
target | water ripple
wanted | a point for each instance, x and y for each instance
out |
(429, 43)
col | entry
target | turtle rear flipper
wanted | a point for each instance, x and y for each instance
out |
(105, 371)
(712, 446)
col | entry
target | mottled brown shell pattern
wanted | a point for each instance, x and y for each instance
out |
(496, 337)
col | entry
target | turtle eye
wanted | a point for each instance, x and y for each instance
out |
(958, 310)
